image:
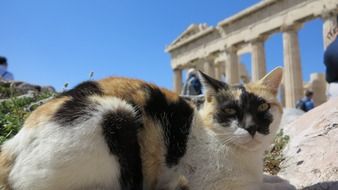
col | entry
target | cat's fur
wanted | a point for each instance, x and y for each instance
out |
(126, 134)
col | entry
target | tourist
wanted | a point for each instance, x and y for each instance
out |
(331, 62)
(4, 74)
(306, 103)
(192, 85)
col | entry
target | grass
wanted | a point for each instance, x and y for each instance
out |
(274, 157)
(14, 111)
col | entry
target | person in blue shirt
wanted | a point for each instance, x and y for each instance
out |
(306, 103)
(4, 74)
(331, 62)
(192, 86)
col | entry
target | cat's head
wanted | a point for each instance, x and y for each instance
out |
(246, 116)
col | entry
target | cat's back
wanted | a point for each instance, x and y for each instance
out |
(148, 98)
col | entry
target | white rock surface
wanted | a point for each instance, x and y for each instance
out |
(312, 154)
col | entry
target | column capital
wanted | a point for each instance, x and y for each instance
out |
(327, 14)
(202, 60)
(219, 61)
(176, 69)
(259, 39)
(231, 49)
(220, 58)
(291, 27)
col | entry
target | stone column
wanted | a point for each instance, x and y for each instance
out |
(223, 70)
(293, 80)
(232, 68)
(218, 70)
(318, 86)
(329, 20)
(209, 67)
(243, 74)
(177, 81)
(258, 64)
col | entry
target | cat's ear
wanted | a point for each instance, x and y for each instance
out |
(211, 85)
(273, 79)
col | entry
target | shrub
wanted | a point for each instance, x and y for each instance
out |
(14, 111)
(274, 157)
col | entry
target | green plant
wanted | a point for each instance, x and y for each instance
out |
(13, 113)
(274, 157)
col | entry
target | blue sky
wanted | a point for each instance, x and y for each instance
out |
(54, 42)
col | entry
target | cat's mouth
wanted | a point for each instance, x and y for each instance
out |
(252, 143)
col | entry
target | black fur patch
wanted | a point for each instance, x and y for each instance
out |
(262, 120)
(120, 130)
(175, 118)
(78, 107)
(247, 104)
(212, 83)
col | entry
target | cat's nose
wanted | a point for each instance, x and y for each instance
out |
(252, 130)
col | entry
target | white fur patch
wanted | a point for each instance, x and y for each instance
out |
(213, 162)
(54, 157)
(248, 120)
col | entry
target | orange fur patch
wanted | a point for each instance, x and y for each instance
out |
(126, 89)
(44, 112)
(6, 162)
(152, 151)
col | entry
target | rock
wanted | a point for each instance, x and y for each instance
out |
(18, 88)
(34, 105)
(49, 89)
(23, 87)
(311, 157)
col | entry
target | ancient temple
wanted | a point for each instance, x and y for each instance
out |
(216, 50)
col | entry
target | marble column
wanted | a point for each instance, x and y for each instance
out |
(218, 70)
(258, 64)
(223, 69)
(318, 86)
(243, 73)
(293, 80)
(232, 68)
(329, 20)
(177, 81)
(209, 67)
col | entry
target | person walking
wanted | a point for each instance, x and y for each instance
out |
(306, 103)
(4, 74)
(192, 86)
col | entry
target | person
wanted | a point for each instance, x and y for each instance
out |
(192, 85)
(4, 74)
(306, 103)
(331, 62)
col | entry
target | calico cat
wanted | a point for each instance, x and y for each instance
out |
(125, 134)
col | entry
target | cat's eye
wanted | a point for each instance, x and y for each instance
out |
(230, 111)
(263, 107)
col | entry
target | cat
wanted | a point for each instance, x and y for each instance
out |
(239, 124)
(126, 134)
